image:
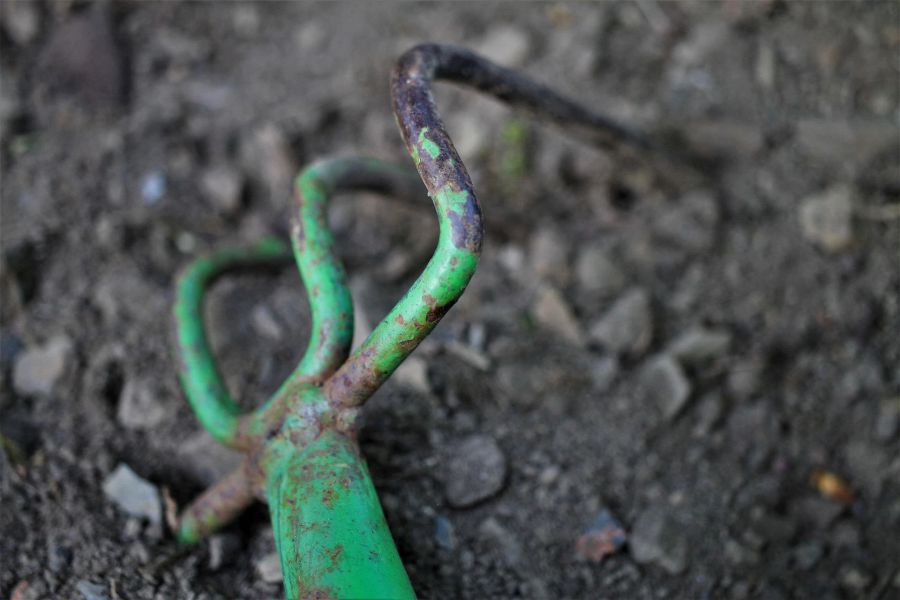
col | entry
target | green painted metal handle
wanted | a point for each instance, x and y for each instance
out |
(329, 526)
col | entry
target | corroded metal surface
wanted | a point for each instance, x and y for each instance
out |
(302, 455)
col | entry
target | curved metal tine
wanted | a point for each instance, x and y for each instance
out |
(450, 188)
(322, 272)
(218, 505)
(200, 378)
(315, 249)
(325, 280)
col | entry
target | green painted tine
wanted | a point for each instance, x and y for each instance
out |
(326, 287)
(200, 378)
(450, 188)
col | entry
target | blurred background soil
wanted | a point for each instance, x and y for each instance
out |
(711, 365)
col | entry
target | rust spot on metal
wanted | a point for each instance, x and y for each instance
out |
(335, 555)
(436, 313)
(316, 594)
(408, 344)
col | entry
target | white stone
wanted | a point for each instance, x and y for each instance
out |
(37, 370)
(553, 313)
(133, 495)
(826, 218)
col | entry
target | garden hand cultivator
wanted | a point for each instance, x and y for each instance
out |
(301, 451)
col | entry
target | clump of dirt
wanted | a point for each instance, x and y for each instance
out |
(705, 364)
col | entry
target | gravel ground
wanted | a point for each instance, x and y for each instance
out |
(712, 410)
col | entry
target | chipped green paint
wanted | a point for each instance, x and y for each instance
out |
(430, 147)
(300, 445)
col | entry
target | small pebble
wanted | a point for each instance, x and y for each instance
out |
(709, 411)
(854, 579)
(470, 136)
(596, 273)
(665, 385)
(838, 143)
(548, 475)
(222, 548)
(548, 254)
(475, 471)
(552, 312)
(139, 405)
(133, 495)
(38, 369)
(468, 354)
(700, 344)
(657, 538)
(153, 187)
(604, 373)
(477, 336)
(690, 223)
(627, 327)
(269, 568)
(743, 379)
(765, 66)
(91, 591)
(310, 36)
(268, 154)
(21, 21)
(826, 218)
(605, 536)
(246, 20)
(264, 322)
(806, 556)
(503, 539)
(888, 420)
(222, 186)
(512, 257)
(506, 45)
(443, 533)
